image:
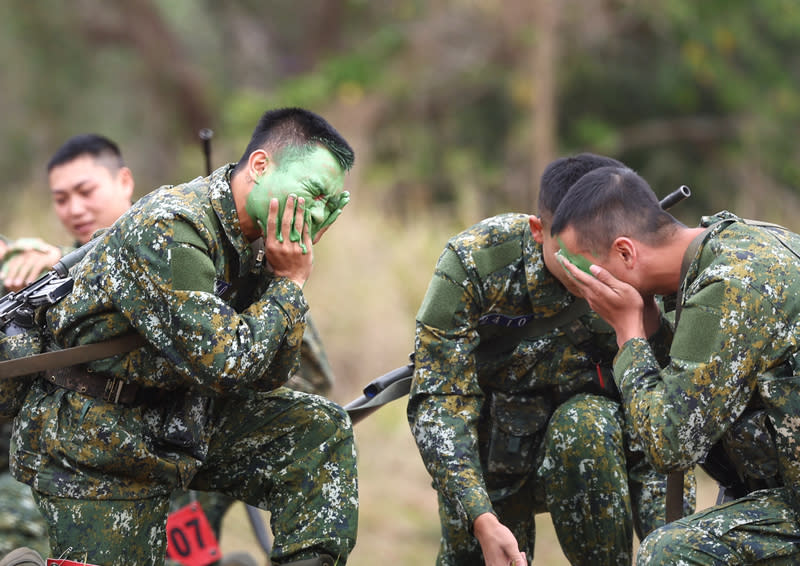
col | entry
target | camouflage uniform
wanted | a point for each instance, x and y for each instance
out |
(21, 524)
(223, 336)
(519, 424)
(734, 362)
(314, 375)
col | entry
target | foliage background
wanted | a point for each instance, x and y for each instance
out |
(454, 108)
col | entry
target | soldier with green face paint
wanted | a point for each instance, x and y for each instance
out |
(513, 406)
(203, 273)
(730, 393)
(91, 187)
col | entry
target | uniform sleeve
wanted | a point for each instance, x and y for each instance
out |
(446, 399)
(165, 288)
(679, 412)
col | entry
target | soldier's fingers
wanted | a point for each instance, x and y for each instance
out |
(577, 274)
(287, 219)
(298, 221)
(272, 221)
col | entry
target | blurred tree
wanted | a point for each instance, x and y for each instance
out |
(459, 103)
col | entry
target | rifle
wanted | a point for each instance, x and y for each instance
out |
(678, 195)
(397, 383)
(381, 390)
(17, 308)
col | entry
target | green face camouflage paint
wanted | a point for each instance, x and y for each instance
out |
(312, 175)
(577, 260)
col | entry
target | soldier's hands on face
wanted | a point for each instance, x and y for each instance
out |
(617, 302)
(23, 267)
(336, 205)
(289, 250)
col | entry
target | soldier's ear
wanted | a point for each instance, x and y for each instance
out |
(126, 182)
(625, 250)
(537, 230)
(257, 163)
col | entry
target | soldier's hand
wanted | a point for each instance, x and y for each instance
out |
(498, 544)
(25, 263)
(617, 302)
(289, 251)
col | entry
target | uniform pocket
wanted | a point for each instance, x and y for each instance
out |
(517, 424)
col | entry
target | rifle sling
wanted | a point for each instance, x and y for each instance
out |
(71, 356)
(675, 478)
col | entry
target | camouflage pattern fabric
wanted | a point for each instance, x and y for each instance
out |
(734, 351)
(285, 426)
(522, 426)
(21, 524)
(760, 528)
(315, 375)
(222, 334)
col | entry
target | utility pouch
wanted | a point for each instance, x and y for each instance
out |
(516, 427)
(184, 423)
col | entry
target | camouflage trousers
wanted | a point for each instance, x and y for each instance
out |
(761, 528)
(586, 481)
(289, 452)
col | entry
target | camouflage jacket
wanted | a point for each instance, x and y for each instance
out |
(489, 279)
(177, 269)
(734, 351)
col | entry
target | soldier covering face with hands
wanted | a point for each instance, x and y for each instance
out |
(729, 391)
(202, 404)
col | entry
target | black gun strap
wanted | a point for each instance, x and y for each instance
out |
(71, 356)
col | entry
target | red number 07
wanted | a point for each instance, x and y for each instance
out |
(190, 540)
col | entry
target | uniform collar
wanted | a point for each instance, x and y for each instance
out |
(224, 207)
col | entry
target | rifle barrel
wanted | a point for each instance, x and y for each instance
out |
(681, 193)
(205, 136)
(65, 264)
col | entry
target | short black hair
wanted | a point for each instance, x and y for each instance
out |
(87, 144)
(562, 173)
(610, 202)
(297, 127)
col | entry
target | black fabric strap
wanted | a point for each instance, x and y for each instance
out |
(71, 356)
